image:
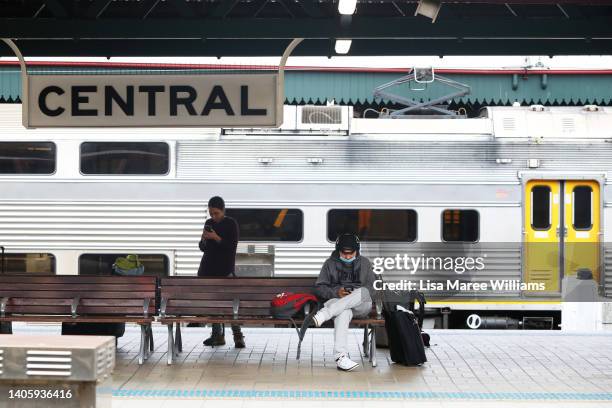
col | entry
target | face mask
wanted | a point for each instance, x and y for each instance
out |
(347, 261)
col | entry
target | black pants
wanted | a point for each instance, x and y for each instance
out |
(218, 329)
(6, 328)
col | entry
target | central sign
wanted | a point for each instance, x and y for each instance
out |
(215, 100)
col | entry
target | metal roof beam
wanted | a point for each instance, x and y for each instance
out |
(56, 8)
(312, 8)
(360, 28)
(183, 9)
(97, 8)
(224, 8)
(259, 47)
(149, 6)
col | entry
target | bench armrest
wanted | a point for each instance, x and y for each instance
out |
(235, 307)
(3, 303)
(145, 307)
(74, 306)
(162, 307)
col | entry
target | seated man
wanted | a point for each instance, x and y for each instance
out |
(345, 284)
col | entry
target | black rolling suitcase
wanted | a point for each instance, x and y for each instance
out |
(382, 338)
(405, 340)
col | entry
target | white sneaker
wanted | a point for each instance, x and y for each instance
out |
(318, 320)
(346, 364)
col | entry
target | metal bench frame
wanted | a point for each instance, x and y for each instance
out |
(173, 320)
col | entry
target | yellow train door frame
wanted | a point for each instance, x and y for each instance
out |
(562, 231)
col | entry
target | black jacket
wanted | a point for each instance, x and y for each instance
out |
(219, 258)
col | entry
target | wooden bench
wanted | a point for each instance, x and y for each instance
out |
(81, 299)
(243, 301)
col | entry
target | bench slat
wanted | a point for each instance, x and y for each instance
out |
(78, 319)
(229, 282)
(221, 296)
(218, 303)
(67, 301)
(82, 310)
(207, 311)
(257, 320)
(46, 287)
(271, 291)
(72, 279)
(70, 294)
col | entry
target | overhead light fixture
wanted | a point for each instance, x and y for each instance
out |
(429, 8)
(343, 46)
(347, 7)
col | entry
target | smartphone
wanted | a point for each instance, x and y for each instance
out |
(208, 228)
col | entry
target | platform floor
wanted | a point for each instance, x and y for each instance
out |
(465, 368)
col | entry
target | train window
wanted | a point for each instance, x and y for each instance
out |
(102, 264)
(266, 224)
(373, 225)
(460, 225)
(27, 158)
(540, 207)
(137, 158)
(582, 208)
(29, 263)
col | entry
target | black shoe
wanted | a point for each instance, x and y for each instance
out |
(239, 341)
(213, 341)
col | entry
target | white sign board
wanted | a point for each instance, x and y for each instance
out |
(215, 100)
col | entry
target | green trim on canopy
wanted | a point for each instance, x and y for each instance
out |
(356, 87)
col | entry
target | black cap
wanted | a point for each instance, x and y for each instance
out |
(348, 242)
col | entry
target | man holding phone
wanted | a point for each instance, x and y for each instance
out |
(219, 242)
(346, 284)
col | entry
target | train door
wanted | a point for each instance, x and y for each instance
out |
(582, 231)
(561, 231)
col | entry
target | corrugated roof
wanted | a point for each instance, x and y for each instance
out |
(356, 85)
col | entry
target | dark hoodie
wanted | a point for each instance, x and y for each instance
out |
(336, 274)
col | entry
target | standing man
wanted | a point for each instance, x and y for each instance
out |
(346, 285)
(219, 242)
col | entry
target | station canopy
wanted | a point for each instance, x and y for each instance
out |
(355, 86)
(111, 28)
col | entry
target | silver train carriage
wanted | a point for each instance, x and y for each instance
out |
(72, 200)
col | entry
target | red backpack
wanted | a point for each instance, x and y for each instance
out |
(286, 305)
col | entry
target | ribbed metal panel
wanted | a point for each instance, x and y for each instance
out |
(77, 225)
(163, 226)
(375, 160)
(187, 262)
(121, 225)
(126, 225)
(300, 261)
(607, 280)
